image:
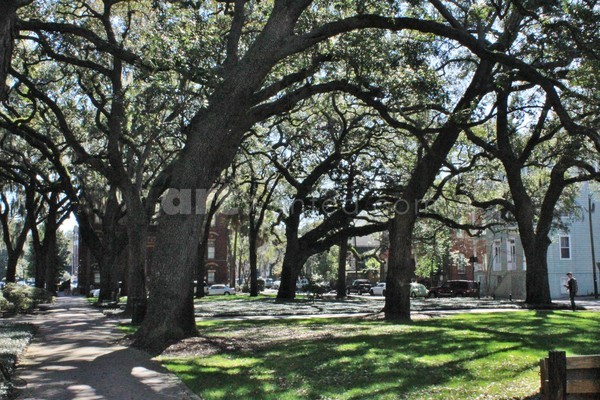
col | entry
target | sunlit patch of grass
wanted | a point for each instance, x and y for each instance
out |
(470, 356)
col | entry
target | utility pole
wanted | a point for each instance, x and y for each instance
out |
(591, 207)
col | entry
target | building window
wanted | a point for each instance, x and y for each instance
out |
(511, 255)
(210, 250)
(565, 247)
(210, 276)
(496, 255)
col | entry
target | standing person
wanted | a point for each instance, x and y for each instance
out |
(572, 288)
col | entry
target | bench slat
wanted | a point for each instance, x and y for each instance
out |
(583, 362)
(583, 386)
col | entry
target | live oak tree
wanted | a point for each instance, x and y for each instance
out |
(219, 195)
(540, 162)
(17, 196)
(269, 56)
(499, 25)
(255, 186)
(53, 210)
(113, 118)
(543, 153)
(328, 156)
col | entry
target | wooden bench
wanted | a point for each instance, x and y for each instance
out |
(570, 378)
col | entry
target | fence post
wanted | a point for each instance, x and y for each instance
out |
(557, 375)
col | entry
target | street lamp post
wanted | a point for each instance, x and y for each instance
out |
(591, 207)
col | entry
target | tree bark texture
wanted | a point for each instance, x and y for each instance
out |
(401, 267)
(341, 273)
(137, 242)
(114, 240)
(289, 276)
(50, 253)
(253, 259)
(8, 15)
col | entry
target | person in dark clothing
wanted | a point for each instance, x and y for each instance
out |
(572, 288)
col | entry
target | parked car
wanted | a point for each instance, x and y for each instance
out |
(95, 293)
(220, 290)
(268, 283)
(455, 289)
(418, 290)
(378, 290)
(359, 286)
(301, 283)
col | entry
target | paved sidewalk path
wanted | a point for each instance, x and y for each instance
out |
(74, 355)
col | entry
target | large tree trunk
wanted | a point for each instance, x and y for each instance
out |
(15, 250)
(8, 15)
(11, 266)
(535, 241)
(536, 283)
(287, 287)
(213, 138)
(400, 267)
(170, 311)
(137, 235)
(50, 253)
(253, 260)
(293, 261)
(114, 243)
(111, 271)
(93, 243)
(38, 253)
(39, 257)
(341, 273)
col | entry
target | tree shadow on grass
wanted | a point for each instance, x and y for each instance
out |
(390, 360)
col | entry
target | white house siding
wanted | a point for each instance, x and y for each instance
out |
(581, 254)
(503, 282)
(503, 278)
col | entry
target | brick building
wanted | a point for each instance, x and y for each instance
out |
(216, 265)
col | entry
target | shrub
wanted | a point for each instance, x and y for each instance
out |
(25, 298)
(5, 305)
(41, 296)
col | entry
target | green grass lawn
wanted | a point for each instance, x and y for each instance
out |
(469, 356)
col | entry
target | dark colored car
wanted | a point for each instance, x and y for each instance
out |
(455, 289)
(359, 286)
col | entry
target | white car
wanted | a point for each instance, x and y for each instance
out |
(416, 290)
(378, 290)
(275, 284)
(220, 289)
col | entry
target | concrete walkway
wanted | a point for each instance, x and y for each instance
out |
(74, 355)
